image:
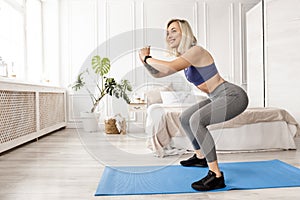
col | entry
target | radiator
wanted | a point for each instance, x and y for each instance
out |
(28, 112)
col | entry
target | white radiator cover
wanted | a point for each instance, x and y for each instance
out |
(29, 111)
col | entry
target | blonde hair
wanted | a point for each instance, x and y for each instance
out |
(187, 39)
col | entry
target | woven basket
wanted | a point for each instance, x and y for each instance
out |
(110, 126)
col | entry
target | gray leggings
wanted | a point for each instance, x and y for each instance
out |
(224, 103)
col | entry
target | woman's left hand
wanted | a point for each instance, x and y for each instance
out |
(144, 52)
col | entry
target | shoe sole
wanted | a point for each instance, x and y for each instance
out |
(207, 189)
(194, 165)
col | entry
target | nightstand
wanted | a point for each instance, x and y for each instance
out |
(138, 108)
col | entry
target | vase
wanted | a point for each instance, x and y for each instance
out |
(90, 121)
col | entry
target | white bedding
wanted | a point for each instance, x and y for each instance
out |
(275, 130)
(161, 137)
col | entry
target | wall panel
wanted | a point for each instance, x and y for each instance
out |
(282, 27)
(125, 26)
(255, 68)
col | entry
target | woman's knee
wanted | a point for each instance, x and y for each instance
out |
(197, 123)
(184, 118)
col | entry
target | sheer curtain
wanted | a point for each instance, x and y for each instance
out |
(12, 38)
(34, 40)
(29, 40)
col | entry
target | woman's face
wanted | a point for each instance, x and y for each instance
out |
(174, 35)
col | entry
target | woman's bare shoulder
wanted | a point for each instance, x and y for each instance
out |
(197, 48)
(194, 54)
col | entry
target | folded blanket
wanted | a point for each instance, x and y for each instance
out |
(167, 124)
(255, 115)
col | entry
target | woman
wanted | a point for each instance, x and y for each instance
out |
(225, 101)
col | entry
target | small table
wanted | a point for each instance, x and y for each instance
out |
(138, 108)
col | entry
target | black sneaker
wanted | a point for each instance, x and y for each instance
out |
(194, 161)
(209, 182)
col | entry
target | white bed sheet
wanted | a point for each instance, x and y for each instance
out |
(155, 113)
(258, 136)
(250, 137)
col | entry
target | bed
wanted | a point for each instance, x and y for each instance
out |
(257, 129)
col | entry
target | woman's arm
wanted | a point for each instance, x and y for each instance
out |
(160, 68)
(151, 69)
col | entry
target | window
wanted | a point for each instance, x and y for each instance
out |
(12, 38)
(29, 36)
(34, 40)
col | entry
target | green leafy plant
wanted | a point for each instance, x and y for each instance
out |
(105, 85)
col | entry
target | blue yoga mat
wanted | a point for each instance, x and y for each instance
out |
(177, 179)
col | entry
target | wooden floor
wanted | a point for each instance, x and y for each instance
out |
(68, 164)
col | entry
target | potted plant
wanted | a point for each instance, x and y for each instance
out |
(103, 85)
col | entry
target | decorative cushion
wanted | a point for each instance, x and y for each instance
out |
(153, 95)
(173, 97)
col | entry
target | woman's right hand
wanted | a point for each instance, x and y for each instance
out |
(145, 51)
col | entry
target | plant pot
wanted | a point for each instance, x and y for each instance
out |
(90, 121)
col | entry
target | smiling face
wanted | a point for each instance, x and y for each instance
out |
(174, 34)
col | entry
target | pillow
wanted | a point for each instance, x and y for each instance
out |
(172, 97)
(153, 95)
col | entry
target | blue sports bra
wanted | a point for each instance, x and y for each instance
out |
(198, 75)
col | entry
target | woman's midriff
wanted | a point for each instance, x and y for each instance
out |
(211, 84)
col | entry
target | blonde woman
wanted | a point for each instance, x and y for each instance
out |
(225, 101)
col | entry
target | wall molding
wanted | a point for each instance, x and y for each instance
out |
(140, 14)
(231, 42)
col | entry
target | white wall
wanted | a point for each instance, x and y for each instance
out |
(126, 25)
(274, 67)
(282, 60)
(255, 63)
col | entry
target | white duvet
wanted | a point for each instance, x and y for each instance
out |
(255, 129)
